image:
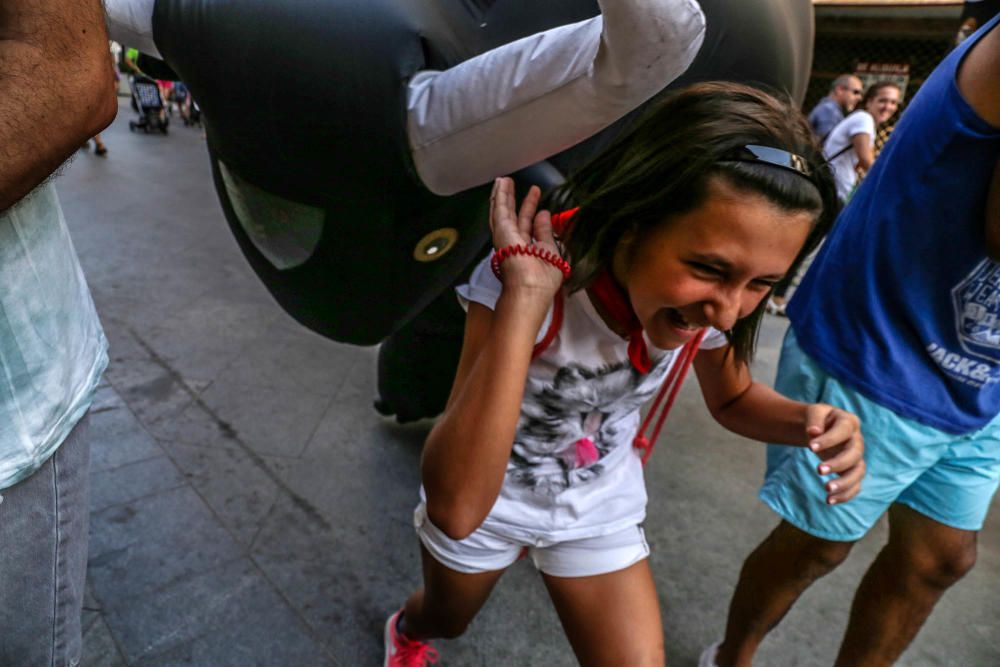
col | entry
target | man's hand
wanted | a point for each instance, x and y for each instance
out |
(56, 87)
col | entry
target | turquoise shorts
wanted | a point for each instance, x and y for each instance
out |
(949, 478)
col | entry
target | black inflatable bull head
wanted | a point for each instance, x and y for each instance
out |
(353, 142)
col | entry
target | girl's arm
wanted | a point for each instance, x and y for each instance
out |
(862, 143)
(465, 456)
(756, 411)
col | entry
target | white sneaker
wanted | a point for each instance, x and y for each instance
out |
(707, 658)
(775, 308)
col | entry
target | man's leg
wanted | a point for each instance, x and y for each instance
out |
(922, 559)
(778, 571)
(43, 558)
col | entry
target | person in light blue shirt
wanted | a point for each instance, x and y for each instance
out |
(844, 94)
(52, 349)
(897, 321)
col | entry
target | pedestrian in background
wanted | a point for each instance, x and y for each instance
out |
(843, 97)
(850, 146)
(52, 348)
(850, 149)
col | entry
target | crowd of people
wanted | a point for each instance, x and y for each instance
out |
(845, 123)
(678, 234)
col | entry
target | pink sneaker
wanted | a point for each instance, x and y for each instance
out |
(403, 652)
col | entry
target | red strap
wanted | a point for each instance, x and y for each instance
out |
(671, 385)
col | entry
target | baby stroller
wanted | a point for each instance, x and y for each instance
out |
(148, 104)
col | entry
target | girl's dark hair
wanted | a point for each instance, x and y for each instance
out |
(873, 90)
(662, 166)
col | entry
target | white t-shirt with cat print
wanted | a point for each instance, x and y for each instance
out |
(582, 387)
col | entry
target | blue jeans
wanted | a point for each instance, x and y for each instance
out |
(43, 558)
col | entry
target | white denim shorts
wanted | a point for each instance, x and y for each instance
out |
(487, 550)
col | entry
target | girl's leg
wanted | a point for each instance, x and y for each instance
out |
(611, 619)
(447, 603)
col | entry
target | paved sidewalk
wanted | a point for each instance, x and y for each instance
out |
(250, 508)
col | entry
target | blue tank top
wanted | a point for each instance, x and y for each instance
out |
(902, 303)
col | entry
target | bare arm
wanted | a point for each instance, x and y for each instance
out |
(465, 456)
(863, 147)
(758, 412)
(979, 77)
(737, 402)
(56, 87)
(979, 83)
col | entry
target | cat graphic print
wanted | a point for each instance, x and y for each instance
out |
(571, 423)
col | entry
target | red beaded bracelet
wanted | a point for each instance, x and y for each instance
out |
(535, 251)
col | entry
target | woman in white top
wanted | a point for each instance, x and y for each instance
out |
(848, 147)
(850, 144)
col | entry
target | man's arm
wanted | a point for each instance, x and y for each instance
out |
(979, 83)
(993, 217)
(56, 87)
(979, 77)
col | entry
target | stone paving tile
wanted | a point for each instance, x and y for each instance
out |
(143, 545)
(222, 324)
(196, 425)
(290, 359)
(233, 483)
(99, 648)
(229, 615)
(345, 582)
(105, 398)
(117, 439)
(131, 481)
(270, 422)
(153, 391)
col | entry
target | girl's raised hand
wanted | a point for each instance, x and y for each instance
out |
(526, 226)
(835, 437)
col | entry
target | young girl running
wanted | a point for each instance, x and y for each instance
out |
(682, 228)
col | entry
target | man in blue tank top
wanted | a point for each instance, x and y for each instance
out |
(899, 322)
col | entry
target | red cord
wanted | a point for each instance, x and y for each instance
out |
(533, 250)
(672, 384)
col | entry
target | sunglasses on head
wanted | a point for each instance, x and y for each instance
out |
(776, 157)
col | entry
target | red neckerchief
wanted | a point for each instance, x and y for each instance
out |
(615, 303)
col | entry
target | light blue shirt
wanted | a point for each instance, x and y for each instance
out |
(52, 348)
(824, 117)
